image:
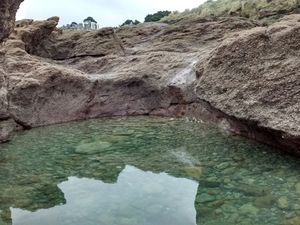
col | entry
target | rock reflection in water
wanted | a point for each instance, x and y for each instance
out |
(137, 197)
(240, 182)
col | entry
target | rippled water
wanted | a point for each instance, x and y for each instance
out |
(144, 171)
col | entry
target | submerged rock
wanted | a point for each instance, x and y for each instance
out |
(252, 190)
(297, 187)
(248, 209)
(194, 172)
(283, 202)
(264, 201)
(293, 221)
(204, 197)
(223, 165)
(92, 148)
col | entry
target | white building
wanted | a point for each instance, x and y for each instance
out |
(86, 25)
(90, 25)
(94, 26)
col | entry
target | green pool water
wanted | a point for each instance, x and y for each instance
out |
(144, 171)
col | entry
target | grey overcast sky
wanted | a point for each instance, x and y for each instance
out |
(106, 12)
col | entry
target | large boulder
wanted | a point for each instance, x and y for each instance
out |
(32, 33)
(254, 76)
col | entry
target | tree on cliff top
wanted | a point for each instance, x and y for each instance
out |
(89, 18)
(130, 22)
(156, 16)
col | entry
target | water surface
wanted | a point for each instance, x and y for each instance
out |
(144, 171)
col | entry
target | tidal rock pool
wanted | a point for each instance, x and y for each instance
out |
(144, 171)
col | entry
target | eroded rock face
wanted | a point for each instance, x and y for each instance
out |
(52, 76)
(3, 96)
(8, 9)
(254, 76)
(141, 70)
(33, 32)
(67, 45)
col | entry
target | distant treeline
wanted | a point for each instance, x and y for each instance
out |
(156, 16)
(149, 18)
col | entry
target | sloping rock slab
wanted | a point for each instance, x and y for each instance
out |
(254, 76)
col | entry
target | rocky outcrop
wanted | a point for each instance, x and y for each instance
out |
(33, 32)
(50, 76)
(8, 9)
(254, 76)
(141, 70)
(69, 45)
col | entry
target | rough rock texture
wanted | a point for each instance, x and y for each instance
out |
(141, 70)
(69, 45)
(254, 76)
(8, 9)
(50, 76)
(266, 10)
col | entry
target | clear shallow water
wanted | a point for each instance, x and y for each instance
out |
(144, 171)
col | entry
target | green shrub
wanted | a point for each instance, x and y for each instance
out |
(157, 16)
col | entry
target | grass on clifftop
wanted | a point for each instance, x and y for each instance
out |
(254, 9)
